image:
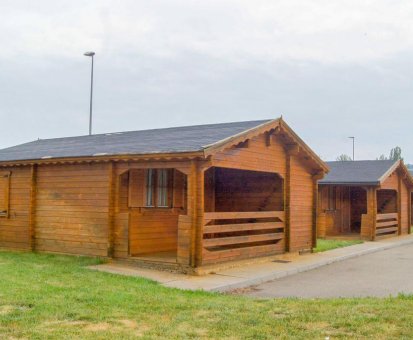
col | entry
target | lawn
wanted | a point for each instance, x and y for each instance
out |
(56, 297)
(323, 245)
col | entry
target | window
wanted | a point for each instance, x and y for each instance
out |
(162, 188)
(158, 188)
(149, 187)
(4, 193)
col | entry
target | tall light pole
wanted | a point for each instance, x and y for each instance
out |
(353, 138)
(90, 54)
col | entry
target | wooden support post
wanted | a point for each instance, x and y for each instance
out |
(200, 197)
(192, 210)
(373, 212)
(287, 202)
(111, 209)
(32, 208)
(399, 203)
(316, 178)
(409, 209)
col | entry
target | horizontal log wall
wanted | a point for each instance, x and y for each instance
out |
(14, 229)
(301, 205)
(71, 214)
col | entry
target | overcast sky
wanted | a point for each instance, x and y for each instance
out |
(333, 69)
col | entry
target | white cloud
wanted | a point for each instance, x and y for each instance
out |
(236, 31)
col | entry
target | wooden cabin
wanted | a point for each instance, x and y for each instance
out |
(181, 197)
(365, 199)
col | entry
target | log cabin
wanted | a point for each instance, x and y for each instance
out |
(365, 199)
(176, 198)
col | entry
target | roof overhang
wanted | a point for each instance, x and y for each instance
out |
(179, 156)
(352, 184)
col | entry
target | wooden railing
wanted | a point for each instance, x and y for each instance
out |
(387, 225)
(236, 235)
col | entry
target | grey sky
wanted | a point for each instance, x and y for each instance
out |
(332, 68)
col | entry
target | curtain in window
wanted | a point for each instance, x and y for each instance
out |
(162, 188)
(149, 187)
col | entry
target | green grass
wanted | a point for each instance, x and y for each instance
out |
(324, 245)
(56, 297)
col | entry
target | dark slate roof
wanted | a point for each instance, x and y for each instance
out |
(168, 140)
(357, 172)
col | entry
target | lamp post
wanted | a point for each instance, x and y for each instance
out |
(90, 54)
(353, 138)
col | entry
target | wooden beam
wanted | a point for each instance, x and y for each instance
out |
(374, 212)
(287, 202)
(314, 213)
(292, 149)
(243, 214)
(111, 209)
(32, 207)
(399, 202)
(199, 213)
(191, 204)
(409, 211)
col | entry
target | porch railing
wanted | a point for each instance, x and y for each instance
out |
(387, 225)
(234, 235)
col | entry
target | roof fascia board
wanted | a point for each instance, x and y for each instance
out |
(352, 184)
(389, 171)
(108, 158)
(303, 145)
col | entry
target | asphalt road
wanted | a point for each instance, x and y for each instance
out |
(380, 274)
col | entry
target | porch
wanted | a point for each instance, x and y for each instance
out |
(188, 217)
(357, 212)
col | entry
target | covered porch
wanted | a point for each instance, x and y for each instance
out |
(358, 212)
(188, 215)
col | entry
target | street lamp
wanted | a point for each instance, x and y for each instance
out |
(353, 138)
(90, 54)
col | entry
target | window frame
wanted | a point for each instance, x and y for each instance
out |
(6, 213)
(161, 184)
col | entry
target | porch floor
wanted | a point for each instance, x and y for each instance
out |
(162, 256)
(344, 236)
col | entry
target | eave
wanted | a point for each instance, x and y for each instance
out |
(178, 156)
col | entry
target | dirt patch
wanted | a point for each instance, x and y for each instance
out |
(7, 309)
(97, 327)
(129, 323)
(242, 291)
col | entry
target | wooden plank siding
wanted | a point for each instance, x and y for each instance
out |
(14, 228)
(301, 206)
(72, 209)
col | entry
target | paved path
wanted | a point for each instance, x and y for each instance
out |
(380, 274)
(249, 273)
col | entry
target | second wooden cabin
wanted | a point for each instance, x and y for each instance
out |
(365, 199)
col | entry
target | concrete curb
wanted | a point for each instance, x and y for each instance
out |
(306, 267)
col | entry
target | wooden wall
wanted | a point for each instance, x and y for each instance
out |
(139, 230)
(72, 209)
(257, 156)
(271, 156)
(301, 206)
(14, 230)
(240, 190)
(340, 209)
(405, 211)
(395, 182)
